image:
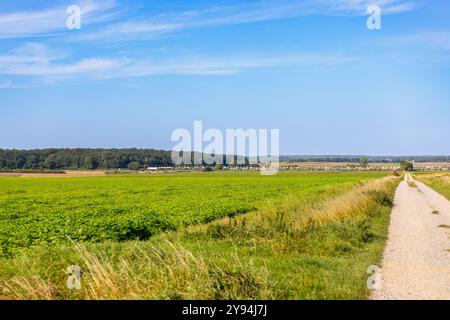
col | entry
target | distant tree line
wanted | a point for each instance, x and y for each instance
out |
(82, 158)
(358, 158)
(91, 159)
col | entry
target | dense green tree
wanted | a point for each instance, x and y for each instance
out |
(364, 162)
(134, 166)
(407, 166)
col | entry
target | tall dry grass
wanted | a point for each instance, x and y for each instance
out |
(295, 215)
(146, 272)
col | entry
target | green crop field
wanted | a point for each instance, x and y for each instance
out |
(37, 210)
(195, 235)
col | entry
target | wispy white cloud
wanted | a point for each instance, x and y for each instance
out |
(359, 7)
(34, 61)
(52, 21)
(37, 60)
(426, 47)
(437, 40)
(247, 12)
(6, 84)
(84, 66)
(400, 8)
(127, 31)
(226, 65)
(30, 53)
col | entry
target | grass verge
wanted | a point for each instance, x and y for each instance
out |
(437, 181)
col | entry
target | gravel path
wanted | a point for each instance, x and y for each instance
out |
(416, 261)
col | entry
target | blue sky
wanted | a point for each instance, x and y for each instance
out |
(137, 70)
